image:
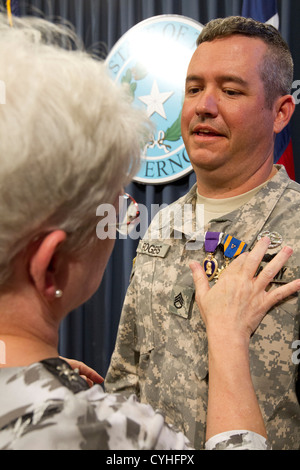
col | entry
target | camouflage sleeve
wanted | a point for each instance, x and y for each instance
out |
(42, 409)
(122, 375)
(118, 423)
(237, 440)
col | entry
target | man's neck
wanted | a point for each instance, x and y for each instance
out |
(215, 187)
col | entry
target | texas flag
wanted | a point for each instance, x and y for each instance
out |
(266, 12)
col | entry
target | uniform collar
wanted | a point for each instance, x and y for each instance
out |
(248, 221)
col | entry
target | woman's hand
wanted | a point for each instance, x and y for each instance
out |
(90, 375)
(238, 302)
(232, 310)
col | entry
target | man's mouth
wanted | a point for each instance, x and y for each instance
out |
(206, 132)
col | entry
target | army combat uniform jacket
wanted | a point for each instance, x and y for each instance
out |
(161, 349)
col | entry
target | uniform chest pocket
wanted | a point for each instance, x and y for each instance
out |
(144, 325)
(168, 319)
(150, 298)
(186, 341)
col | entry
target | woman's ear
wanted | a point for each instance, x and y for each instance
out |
(43, 264)
(284, 109)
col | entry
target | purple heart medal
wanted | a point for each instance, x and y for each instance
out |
(210, 264)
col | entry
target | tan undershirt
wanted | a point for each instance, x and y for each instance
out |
(215, 208)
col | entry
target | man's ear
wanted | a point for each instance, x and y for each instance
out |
(284, 109)
(42, 264)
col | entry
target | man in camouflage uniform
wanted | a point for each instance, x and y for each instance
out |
(161, 349)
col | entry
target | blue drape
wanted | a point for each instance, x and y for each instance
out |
(89, 333)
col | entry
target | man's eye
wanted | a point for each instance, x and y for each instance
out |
(232, 92)
(193, 90)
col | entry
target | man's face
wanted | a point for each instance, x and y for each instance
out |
(225, 122)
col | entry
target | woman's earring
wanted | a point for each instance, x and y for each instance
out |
(58, 293)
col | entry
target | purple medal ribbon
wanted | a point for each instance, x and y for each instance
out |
(212, 240)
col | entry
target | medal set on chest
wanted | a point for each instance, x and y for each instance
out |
(232, 247)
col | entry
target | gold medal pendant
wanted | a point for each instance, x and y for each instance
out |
(210, 266)
(222, 269)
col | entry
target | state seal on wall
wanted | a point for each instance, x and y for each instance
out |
(152, 58)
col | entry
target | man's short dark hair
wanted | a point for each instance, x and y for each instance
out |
(277, 69)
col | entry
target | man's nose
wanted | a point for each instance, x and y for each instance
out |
(207, 104)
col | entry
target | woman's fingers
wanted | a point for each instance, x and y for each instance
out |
(243, 270)
(273, 267)
(277, 295)
(250, 261)
(90, 375)
(199, 277)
